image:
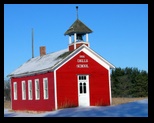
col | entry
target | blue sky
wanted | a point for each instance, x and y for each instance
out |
(120, 31)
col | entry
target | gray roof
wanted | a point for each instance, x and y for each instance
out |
(78, 27)
(40, 63)
(49, 62)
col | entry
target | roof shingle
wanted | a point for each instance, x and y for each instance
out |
(78, 27)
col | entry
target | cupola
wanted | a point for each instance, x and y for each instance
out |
(78, 34)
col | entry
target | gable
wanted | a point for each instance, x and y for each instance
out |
(82, 64)
(100, 60)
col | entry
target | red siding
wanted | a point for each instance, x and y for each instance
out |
(39, 105)
(71, 47)
(67, 89)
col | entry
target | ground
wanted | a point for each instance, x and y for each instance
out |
(115, 101)
(136, 107)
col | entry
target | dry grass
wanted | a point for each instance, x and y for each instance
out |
(119, 100)
(7, 104)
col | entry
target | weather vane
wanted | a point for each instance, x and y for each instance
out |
(77, 11)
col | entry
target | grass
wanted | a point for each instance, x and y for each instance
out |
(115, 101)
(7, 104)
(120, 100)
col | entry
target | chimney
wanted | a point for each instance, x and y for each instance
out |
(42, 50)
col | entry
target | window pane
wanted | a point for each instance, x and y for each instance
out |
(15, 91)
(46, 94)
(37, 85)
(80, 88)
(84, 87)
(84, 77)
(30, 89)
(37, 90)
(45, 84)
(45, 88)
(23, 90)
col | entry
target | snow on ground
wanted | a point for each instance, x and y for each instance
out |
(131, 109)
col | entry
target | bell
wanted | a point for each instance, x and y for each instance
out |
(79, 37)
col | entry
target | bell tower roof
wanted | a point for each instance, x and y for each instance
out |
(78, 27)
(79, 31)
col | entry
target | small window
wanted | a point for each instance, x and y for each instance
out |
(45, 88)
(37, 89)
(15, 90)
(23, 90)
(84, 77)
(30, 89)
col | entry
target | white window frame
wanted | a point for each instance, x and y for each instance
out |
(23, 90)
(45, 89)
(37, 90)
(30, 90)
(15, 90)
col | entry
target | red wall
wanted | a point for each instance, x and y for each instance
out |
(39, 105)
(67, 90)
(71, 47)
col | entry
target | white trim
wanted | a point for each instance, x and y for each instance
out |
(55, 89)
(89, 52)
(83, 43)
(86, 37)
(70, 39)
(23, 90)
(44, 89)
(94, 57)
(11, 91)
(74, 41)
(36, 89)
(87, 96)
(15, 94)
(98, 57)
(110, 87)
(30, 81)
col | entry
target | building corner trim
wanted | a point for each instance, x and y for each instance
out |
(55, 89)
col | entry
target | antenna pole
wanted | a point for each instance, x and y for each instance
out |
(32, 43)
(77, 11)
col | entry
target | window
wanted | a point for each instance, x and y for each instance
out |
(15, 90)
(82, 77)
(82, 84)
(82, 87)
(45, 88)
(23, 90)
(37, 89)
(30, 89)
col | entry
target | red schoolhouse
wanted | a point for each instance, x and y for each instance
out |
(75, 76)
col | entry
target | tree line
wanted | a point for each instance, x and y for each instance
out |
(129, 82)
(125, 82)
(7, 89)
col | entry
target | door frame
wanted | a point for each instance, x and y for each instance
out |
(87, 95)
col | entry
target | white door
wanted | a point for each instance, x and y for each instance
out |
(83, 90)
